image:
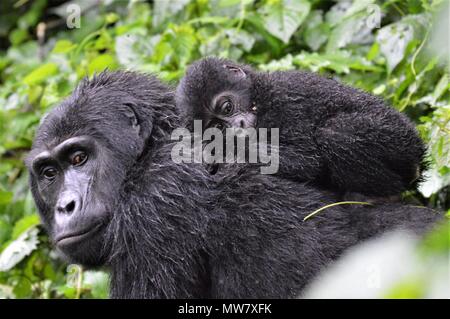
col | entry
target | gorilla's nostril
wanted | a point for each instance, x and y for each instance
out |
(68, 203)
(242, 124)
(70, 207)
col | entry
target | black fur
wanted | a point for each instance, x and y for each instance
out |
(176, 232)
(338, 136)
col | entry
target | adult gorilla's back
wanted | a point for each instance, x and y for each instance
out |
(109, 194)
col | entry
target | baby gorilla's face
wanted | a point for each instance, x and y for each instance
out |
(230, 109)
(218, 92)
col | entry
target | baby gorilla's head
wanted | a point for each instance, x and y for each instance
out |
(218, 92)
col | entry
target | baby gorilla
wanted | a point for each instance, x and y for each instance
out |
(332, 134)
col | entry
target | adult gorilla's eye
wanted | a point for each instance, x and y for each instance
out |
(226, 107)
(79, 158)
(49, 173)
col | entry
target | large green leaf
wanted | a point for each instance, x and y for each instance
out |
(283, 17)
(164, 9)
(63, 46)
(5, 197)
(316, 31)
(41, 73)
(102, 62)
(19, 249)
(393, 40)
(353, 29)
(24, 224)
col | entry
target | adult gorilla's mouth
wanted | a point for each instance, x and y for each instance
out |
(78, 235)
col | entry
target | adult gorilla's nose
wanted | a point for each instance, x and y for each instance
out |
(68, 203)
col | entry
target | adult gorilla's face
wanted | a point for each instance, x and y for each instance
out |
(66, 182)
(80, 158)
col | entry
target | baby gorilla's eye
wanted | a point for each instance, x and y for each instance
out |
(226, 107)
(49, 172)
(79, 158)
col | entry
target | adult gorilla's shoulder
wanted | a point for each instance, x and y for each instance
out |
(109, 194)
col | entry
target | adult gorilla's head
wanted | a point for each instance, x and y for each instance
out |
(83, 150)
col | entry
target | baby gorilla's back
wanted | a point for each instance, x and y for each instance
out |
(336, 136)
(354, 141)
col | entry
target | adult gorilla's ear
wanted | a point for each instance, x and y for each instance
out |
(131, 114)
(140, 123)
(139, 119)
(235, 70)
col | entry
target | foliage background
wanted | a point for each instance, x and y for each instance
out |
(403, 58)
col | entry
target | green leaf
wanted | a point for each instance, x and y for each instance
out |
(63, 46)
(283, 64)
(18, 36)
(5, 197)
(353, 29)
(102, 62)
(393, 40)
(5, 231)
(112, 18)
(210, 19)
(337, 12)
(316, 32)
(22, 288)
(373, 52)
(408, 288)
(97, 282)
(437, 242)
(441, 87)
(41, 74)
(164, 9)
(256, 26)
(228, 3)
(283, 17)
(24, 223)
(339, 62)
(176, 45)
(19, 249)
(241, 38)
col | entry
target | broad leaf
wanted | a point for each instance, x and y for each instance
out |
(63, 46)
(393, 40)
(164, 9)
(41, 73)
(23, 224)
(19, 249)
(283, 17)
(102, 62)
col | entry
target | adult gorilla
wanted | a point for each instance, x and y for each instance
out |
(109, 194)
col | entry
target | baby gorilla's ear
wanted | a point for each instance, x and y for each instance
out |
(235, 70)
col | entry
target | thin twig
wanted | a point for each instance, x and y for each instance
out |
(334, 204)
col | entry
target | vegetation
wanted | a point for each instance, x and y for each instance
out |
(390, 48)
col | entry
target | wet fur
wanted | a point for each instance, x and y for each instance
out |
(178, 232)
